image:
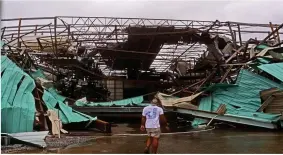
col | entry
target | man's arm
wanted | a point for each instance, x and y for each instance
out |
(162, 119)
(143, 120)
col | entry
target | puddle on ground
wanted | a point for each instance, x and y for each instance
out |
(214, 141)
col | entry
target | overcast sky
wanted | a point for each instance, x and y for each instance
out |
(240, 11)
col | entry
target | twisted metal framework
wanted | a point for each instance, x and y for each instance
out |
(51, 34)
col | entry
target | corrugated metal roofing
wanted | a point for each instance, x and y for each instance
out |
(66, 113)
(241, 100)
(125, 102)
(17, 101)
(55, 101)
(275, 69)
(33, 138)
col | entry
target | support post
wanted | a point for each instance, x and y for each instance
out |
(232, 35)
(3, 31)
(39, 43)
(35, 32)
(19, 32)
(55, 35)
(240, 37)
(275, 31)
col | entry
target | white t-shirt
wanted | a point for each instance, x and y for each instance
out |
(152, 113)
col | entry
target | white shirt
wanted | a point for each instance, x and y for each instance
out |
(152, 113)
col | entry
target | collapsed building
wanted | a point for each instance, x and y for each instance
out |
(212, 70)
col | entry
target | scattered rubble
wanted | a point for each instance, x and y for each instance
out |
(205, 69)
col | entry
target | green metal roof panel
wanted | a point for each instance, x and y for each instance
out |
(66, 113)
(262, 46)
(243, 99)
(38, 73)
(1, 44)
(275, 69)
(205, 104)
(125, 102)
(219, 85)
(17, 101)
(54, 101)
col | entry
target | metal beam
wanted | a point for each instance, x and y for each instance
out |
(228, 118)
(109, 109)
(27, 33)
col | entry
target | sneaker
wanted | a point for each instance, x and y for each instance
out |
(146, 150)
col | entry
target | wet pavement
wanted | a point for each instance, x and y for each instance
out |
(214, 141)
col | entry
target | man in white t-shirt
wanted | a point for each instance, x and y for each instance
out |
(152, 115)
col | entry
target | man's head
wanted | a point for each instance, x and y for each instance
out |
(156, 101)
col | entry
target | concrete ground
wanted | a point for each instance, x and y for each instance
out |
(215, 141)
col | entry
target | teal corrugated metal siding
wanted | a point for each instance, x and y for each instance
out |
(243, 99)
(17, 101)
(275, 69)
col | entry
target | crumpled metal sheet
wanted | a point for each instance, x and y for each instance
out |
(32, 138)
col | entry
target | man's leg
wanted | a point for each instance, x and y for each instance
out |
(155, 142)
(148, 143)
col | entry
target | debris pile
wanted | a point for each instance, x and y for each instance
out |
(215, 71)
(247, 92)
(28, 106)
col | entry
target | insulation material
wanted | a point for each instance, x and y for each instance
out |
(169, 101)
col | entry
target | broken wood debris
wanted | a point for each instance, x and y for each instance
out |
(203, 65)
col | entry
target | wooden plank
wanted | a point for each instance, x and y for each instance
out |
(265, 103)
(268, 92)
(234, 54)
(226, 74)
(42, 118)
(221, 109)
(102, 126)
(272, 29)
(269, 35)
(278, 37)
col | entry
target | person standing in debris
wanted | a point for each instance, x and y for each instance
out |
(152, 115)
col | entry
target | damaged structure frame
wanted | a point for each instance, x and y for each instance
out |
(181, 57)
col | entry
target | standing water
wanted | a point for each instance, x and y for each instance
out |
(211, 141)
